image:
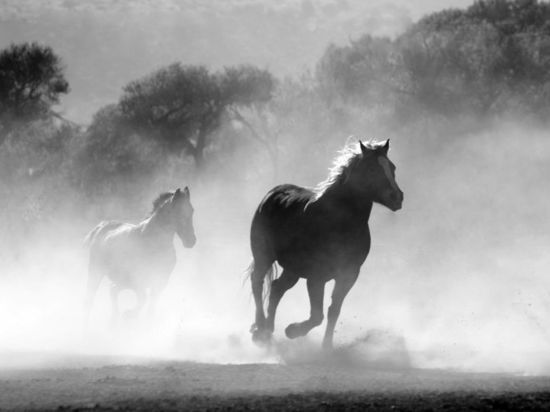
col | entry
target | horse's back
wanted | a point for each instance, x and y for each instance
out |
(109, 238)
(98, 233)
(283, 201)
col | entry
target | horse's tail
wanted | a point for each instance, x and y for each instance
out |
(271, 274)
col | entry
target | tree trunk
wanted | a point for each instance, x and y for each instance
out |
(198, 153)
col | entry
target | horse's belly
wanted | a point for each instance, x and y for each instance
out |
(324, 259)
(141, 269)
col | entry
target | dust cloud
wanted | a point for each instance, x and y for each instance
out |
(456, 279)
(461, 272)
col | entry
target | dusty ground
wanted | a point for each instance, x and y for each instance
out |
(92, 383)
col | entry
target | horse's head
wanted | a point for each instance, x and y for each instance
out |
(374, 175)
(181, 213)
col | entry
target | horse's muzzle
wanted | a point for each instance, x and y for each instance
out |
(188, 238)
(394, 200)
(189, 242)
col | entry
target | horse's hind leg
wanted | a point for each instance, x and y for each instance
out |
(278, 289)
(316, 292)
(259, 270)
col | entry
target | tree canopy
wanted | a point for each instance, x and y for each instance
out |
(491, 58)
(180, 106)
(31, 81)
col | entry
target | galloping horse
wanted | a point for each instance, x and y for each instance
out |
(319, 235)
(140, 256)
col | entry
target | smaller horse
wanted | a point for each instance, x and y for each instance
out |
(320, 235)
(140, 257)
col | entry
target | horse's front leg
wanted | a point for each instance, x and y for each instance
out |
(153, 298)
(278, 289)
(154, 294)
(141, 297)
(258, 329)
(115, 312)
(316, 292)
(342, 286)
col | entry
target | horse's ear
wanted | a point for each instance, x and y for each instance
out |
(177, 194)
(364, 149)
(386, 147)
(181, 194)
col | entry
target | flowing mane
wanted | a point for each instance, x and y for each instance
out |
(160, 200)
(347, 158)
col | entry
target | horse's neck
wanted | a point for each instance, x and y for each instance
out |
(347, 202)
(156, 227)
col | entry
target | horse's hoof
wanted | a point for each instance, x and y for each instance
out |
(293, 331)
(261, 336)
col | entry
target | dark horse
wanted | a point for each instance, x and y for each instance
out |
(319, 235)
(140, 257)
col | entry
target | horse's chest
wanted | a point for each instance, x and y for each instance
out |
(345, 247)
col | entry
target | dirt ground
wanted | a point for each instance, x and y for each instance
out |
(94, 383)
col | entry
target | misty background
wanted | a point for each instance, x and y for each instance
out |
(104, 105)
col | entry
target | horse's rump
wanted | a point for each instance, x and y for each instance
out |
(278, 214)
(285, 198)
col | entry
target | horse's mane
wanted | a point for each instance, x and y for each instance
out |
(160, 200)
(346, 159)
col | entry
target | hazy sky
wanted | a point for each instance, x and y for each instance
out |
(107, 43)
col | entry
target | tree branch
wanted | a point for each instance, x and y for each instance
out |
(256, 136)
(63, 119)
